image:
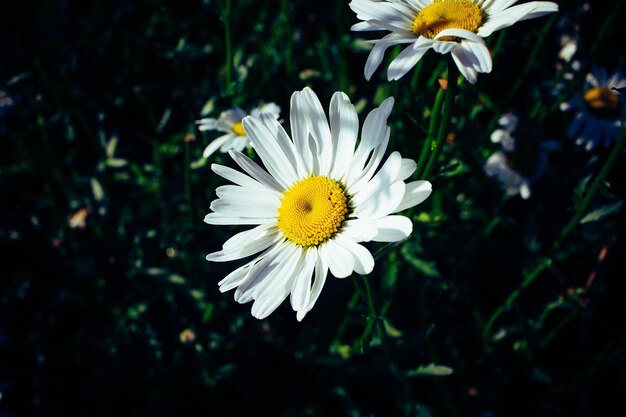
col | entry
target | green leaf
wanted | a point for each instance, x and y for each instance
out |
(430, 370)
(427, 268)
(116, 162)
(602, 212)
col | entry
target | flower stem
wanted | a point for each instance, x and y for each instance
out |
(434, 118)
(532, 58)
(453, 75)
(546, 261)
(597, 182)
(372, 319)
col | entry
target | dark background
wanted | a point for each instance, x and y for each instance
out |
(122, 315)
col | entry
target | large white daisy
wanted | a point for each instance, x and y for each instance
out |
(319, 195)
(446, 26)
(229, 122)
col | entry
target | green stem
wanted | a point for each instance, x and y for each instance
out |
(453, 75)
(546, 340)
(599, 180)
(370, 296)
(372, 319)
(546, 261)
(434, 117)
(532, 57)
(344, 322)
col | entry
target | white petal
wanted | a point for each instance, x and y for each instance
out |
(338, 259)
(207, 124)
(406, 60)
(524, 190)
(271, 109)
(415, 193)
(215, 144)
(231, 219)
(367, 9)
(418, 4)
(294, 255)
(481, 53)
(301, 291)
(282, 138)
(540, 8)
(393, 228)
(359, 177)
(344, 124)
(465, 62)
(274, 259)
(300, 134)
(237, 177)
(500, 19)
(276, 287)
(383, 202)
(244, 209)
(361, 230)
(383, 179)
(444, 47)
(373, 132)
(399, 27)
(245, 244)
(374, 58)
(255, 171)
(270, 152)
(321, 271)
(407, 169)
(241, 195)
(363, 259)
(235, 278)
(318, 128)
(460, 33)
(498, 5)
(238, 144)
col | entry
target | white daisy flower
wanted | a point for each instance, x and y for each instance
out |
(523, 158)
(229, 122)
(318, 197)
(599, 110)
(513, 183)
(447, 26)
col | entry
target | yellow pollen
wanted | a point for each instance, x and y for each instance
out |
(237, 129)
(448, 14)
(601, 98)
(312, 210)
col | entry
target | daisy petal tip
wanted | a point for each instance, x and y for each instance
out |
(300, 315)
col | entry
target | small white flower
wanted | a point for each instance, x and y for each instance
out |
(229, 122)
(599, 110)
(446, 26)
(569, 46)
(522, 160)
(320, 195)
(513, 183)
(503, 136)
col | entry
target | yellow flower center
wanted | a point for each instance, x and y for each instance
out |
(237, 129)
(601, 98)
(312, 210)
(448, 14)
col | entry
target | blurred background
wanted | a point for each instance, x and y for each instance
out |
(107, 305)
